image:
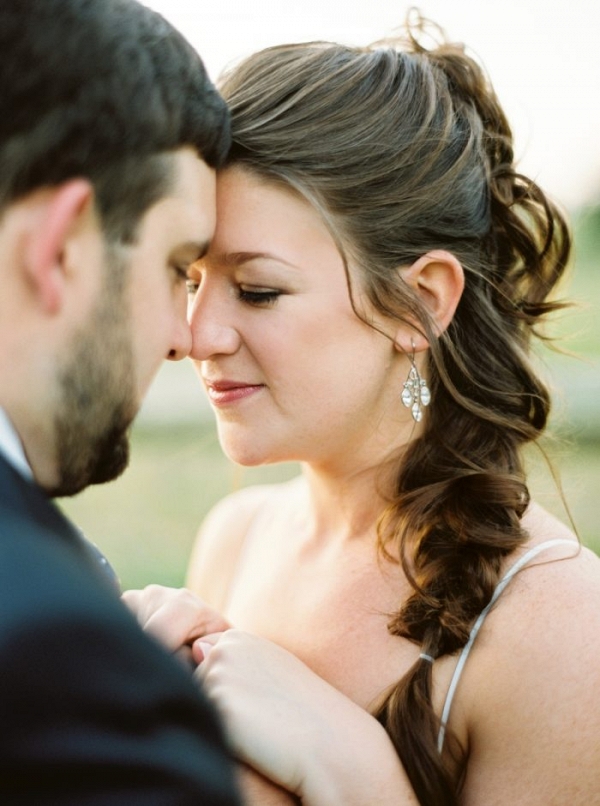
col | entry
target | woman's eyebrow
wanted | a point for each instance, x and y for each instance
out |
(239, 258)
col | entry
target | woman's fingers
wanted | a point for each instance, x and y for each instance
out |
(175, 616)
(202, 647)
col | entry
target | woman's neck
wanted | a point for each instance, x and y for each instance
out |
(346, 506)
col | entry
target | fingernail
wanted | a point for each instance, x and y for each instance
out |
(205, 648)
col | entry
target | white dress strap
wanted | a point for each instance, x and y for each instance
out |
(514, 569)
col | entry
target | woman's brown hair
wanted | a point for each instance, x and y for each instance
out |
(405, 149)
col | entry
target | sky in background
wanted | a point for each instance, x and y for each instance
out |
(543, 57)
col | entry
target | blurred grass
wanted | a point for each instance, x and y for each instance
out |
(578, 328)
(146, 521)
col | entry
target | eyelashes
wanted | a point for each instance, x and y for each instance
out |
(259, 297)
(255, 297)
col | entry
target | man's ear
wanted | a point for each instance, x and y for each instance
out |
(438, 280)
(60, 212)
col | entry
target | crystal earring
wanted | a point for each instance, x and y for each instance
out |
(415, 393)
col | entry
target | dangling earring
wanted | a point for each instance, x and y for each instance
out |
(415, 392)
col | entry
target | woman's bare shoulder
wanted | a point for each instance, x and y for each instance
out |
(530, 695)
(221, 536)
(557, 589)
(563, 573)
(542, 525)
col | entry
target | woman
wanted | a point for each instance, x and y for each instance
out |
(366, 308)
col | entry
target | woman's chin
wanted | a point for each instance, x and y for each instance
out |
(255, 455)
(248, 455)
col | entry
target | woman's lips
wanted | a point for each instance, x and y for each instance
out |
(222, 393)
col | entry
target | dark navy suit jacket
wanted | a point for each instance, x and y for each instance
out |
(92, 711)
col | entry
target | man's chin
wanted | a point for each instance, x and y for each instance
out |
(113, 463)
(108, 462)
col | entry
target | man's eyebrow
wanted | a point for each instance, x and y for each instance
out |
(192, 251)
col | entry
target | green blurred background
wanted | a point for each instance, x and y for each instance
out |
(146, 521)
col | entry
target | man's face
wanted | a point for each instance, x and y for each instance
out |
(138, 320)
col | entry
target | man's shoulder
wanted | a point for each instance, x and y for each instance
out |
(74, 665)
(83, 688)
(42, 558)
(50, 585)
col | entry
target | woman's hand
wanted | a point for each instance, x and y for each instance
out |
(296, 729)
(256, 685)
(175, 616)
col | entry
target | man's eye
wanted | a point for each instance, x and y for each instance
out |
(192, 286)
(254, 296)
(180, 273)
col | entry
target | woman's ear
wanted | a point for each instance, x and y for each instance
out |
(438, 280)
(55, 215)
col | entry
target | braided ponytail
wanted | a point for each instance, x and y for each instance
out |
(405, 150)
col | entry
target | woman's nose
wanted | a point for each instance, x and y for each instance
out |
(212, 325)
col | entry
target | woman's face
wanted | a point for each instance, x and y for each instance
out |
(290, 370)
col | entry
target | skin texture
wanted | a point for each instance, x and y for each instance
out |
(295, 569)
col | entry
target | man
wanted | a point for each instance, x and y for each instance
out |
(109, 135)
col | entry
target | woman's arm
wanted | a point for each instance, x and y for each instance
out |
(296, 729)
(260, 791)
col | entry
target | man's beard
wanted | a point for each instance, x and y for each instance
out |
(97, 392)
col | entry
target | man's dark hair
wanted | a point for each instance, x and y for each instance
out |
(102, 89)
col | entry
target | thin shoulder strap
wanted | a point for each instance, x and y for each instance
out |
(514, 569)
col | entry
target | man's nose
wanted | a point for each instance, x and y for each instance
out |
(181, 342)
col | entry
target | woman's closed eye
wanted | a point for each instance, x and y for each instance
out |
(252, 295)
(258, 296)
